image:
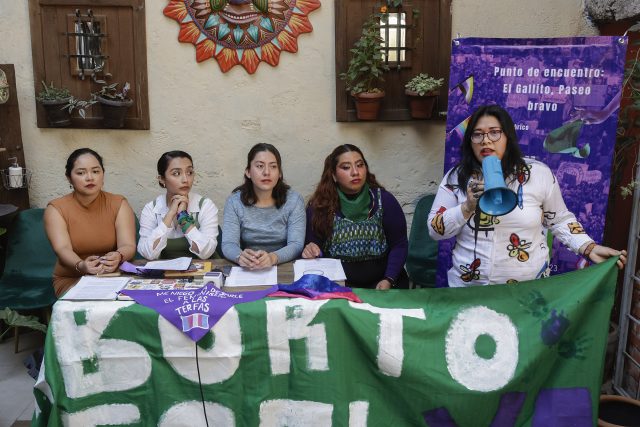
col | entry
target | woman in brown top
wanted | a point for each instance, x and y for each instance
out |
(90, 230)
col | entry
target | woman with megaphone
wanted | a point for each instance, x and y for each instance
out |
(497, 205)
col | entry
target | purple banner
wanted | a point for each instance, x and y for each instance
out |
(563, 95)
(194, 311)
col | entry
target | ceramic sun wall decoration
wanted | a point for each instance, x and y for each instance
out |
(243, 32)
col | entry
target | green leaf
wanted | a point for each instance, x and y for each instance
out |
(13, 318)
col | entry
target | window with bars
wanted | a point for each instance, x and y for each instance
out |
(416, 39)
(395, 32)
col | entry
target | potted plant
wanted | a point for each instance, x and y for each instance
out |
(114, 103)
(366, 71)
(422, 91)
(79, 104)
(54, 100)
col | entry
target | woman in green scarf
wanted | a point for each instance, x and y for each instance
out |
(351, 217)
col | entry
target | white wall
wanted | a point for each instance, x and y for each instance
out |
(217, 117)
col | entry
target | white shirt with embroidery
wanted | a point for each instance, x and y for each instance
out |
(152, 227)
(512, 247)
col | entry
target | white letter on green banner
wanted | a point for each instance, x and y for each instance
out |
(116, 414)
(188, 414)
(289, 320)
(390, 342)
(465, 365)
(91, 365)
(295, 413)
(358, 413)
(217, 363)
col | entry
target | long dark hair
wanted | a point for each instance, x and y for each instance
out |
(165, 159)
(512, 161)
(279, 192)
(324, 201)
(74, 156)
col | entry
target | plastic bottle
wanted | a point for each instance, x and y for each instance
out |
(15, 175)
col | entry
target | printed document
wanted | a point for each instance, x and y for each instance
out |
(180, 264)
(244, 277)
(91, 288)
(328, 267)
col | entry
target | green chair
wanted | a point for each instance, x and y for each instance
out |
(422, 260)
(27, 280)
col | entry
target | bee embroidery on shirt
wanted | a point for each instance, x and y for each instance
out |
(517, 248)
(575, 228)
(471, 271)
(488, 220)
(437, 223)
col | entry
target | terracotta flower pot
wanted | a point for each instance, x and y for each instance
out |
(618, 411)
(57, 116)
(368, 104)
(421, 107)
(114, 112)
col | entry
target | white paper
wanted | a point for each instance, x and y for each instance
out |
(96, 288)
(243, 277)
(328, 267)
(178, 264)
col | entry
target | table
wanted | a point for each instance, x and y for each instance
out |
(525, 354)
(285, 270)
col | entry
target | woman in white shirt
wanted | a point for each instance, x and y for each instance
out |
(512, 247)
(179, 222)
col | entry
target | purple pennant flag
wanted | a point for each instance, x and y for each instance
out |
(194, 311)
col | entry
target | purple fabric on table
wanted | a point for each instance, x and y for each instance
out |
(127, 267)
(130, 268)
(315, 286)
(194, 311)
(395, 230)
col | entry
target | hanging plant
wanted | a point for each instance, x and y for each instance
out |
(628, 121)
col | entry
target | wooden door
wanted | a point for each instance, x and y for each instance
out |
(11, 141)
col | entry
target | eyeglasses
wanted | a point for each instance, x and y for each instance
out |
(493, 135)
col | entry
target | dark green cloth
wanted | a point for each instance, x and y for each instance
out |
(176, 248)
(355, 208)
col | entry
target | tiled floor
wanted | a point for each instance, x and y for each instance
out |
(16, 395)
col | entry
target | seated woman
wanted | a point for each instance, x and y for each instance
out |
(264, 219)
(178, 223)
(512, 247)
(91, 231)
(353, 218)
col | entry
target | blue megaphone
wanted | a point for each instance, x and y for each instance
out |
(497, 198)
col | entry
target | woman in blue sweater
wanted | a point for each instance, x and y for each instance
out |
(264, 220)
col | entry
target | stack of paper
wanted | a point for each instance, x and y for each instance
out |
(327, 267)
(96, 288)
(180, 264)
(243, 277)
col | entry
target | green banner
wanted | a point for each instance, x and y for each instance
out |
(524, 354)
